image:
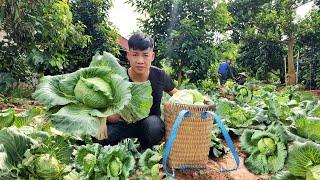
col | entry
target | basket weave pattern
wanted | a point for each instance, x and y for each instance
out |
(192, 143)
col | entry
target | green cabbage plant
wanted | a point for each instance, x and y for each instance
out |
(243, 93)
(79, 102)
(44, 166)
(114, 162)
(86, 160)
(267, 149)
(149, 163)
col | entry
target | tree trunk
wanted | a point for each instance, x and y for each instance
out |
(291, 68)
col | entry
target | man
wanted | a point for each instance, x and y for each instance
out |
(225, 71)
(150, 130)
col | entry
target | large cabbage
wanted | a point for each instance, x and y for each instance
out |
(267, 149)
(79, 102)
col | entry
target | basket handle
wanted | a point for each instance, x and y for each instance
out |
(226, 137)
(170, 141)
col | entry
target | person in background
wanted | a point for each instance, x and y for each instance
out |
(225, 71)
(151, 129)
(242, 78)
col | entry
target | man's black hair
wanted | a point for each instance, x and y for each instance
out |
(139, 41)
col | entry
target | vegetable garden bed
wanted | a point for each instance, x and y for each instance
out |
(276, 133)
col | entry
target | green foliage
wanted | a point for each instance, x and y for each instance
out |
(184, 32)
(13, 145)
(93, 14)
(114, 162)
(149, 164)
(261, 26)
(86, 159)
(308, 42)
(243, 93)
(308, 128)
(6, 81)
(39, 34)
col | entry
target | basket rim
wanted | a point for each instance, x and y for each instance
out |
(192, 105)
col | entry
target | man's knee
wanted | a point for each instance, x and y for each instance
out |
(153, 124)
(152, 131)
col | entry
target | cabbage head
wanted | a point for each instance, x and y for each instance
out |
(188, 96)
(266, 146)
(266, 149)
(86, 160)
(79, 102)
(44, 166)
(115, 162)
(115, 167)
(243, 93)
(48, 167)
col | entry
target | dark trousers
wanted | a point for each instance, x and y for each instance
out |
(149, 131)
(223, 79)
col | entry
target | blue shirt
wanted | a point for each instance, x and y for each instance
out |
(224, 69)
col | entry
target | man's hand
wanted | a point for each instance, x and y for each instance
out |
(114, 118)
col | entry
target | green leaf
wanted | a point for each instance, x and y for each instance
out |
(13, 145)
(140, 103)
(59, 147)
(302, 157)
(245, 141)
(76, 120)
(49, 93)
(308, 128)
(148, 159)
(108, 60)
(284, 175)
(21, 119)
(6, 118)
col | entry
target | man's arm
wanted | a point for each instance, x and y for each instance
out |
(230, 72)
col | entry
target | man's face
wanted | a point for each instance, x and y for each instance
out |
(140, 60)
(229, 61)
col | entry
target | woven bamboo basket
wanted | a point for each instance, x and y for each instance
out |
(192, 143)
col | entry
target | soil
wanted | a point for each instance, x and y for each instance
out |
(212, 170)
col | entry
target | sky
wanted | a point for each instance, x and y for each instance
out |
(125, 19)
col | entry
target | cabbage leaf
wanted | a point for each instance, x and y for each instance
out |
(79, 102)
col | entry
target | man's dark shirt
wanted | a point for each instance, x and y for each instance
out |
(160, 82)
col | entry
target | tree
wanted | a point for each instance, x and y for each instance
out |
(103, 34)
(308, 42)
(185, 32)
(271, 21)
(39, 33)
